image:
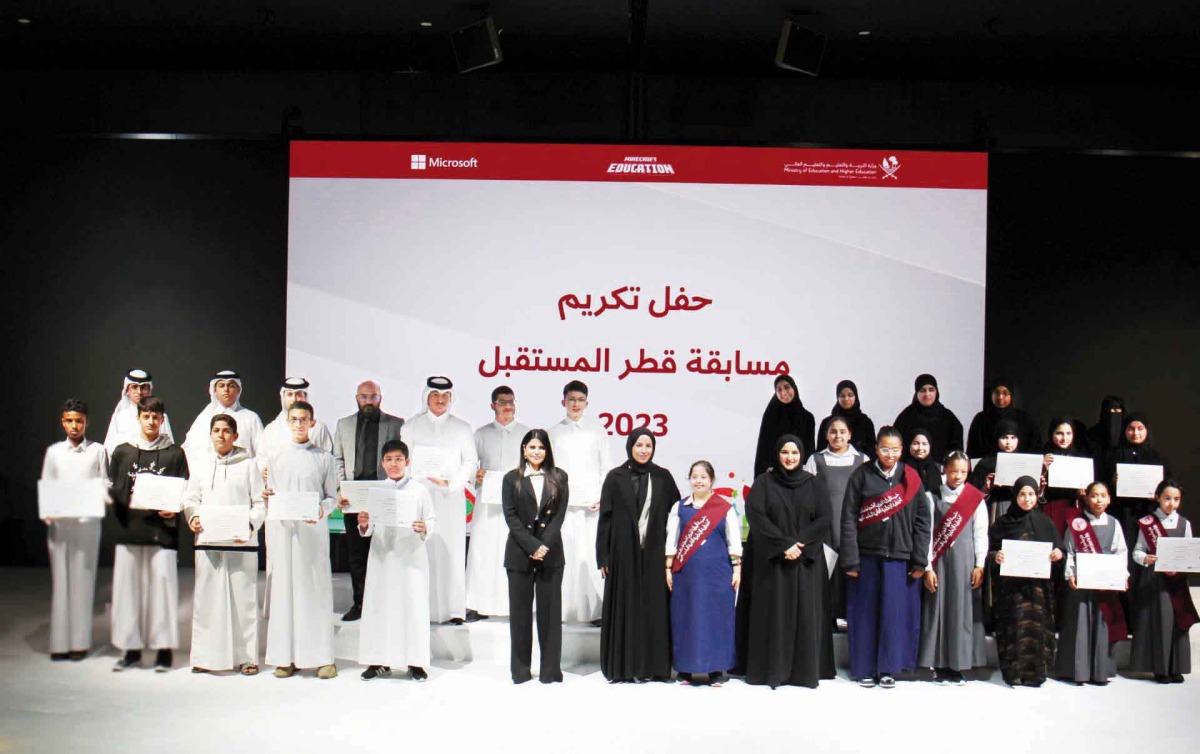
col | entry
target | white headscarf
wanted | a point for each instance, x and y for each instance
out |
(197, 439)
(126, 411)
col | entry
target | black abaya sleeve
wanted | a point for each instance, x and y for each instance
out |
(769, 539)
(765, 449)
(815, 531)
(955, 441)
(608, 494)
(810, 431)
(977, 444)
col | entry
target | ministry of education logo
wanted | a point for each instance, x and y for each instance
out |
(890, 165)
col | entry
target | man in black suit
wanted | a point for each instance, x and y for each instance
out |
(356, 445)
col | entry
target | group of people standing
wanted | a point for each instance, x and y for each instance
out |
(890, 534)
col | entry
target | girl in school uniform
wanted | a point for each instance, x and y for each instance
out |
(1023, 610)
(1163, 609)
(952, 635)
(1092, 620)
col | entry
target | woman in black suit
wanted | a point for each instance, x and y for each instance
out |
(534, 498)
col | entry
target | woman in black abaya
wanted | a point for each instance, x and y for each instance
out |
(635, 635)
(785, 415)
(848, 407)
(926, 410)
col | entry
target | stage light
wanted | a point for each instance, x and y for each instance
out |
(24, 21)
(477, 45)
(800, 48)
(426, 24)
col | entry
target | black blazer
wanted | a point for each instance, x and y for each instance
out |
(533, 523)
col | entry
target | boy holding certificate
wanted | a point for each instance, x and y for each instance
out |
(145, 601)
(73, 543)
(1092, 621)
(224, 508)
(1163, 607)
(300, 597)
(395, 620)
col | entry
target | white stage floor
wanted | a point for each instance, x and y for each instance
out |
(470, 704)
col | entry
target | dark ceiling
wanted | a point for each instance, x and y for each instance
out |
(985, 40)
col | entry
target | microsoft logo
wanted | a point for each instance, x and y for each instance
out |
(418, 162)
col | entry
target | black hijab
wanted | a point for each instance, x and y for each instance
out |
(837, 407)
(1127, 452)
(945, 431)
(790, 479)
(780, 419)
(1015, 522)
(1074, 449)
(640, 471)
(862, 429)
(928, 467)
(1110, 429)
(1008, 426)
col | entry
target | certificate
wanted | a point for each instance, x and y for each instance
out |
(294, 506)
(1026, 560)
(356, 493)
(1012, 466)
(433, 461)
(152, 492)
(1074, 472)
(223, 524)
(71, 498)
(1101, 571)
(1138, 480)
(392, 507)
(492, 490)
(1178, 555)
(583, 488)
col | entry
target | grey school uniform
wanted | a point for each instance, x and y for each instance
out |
(1084, 650)
(1159, 647)
(952, 634)
(832, 481)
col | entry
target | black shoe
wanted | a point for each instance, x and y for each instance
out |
(1163, 679)
(474, 615)
(59, 656)
(163, 661)
(1098, 683)
(417, 674)
(1177, 678)
(128, 660)
(78, 654)
(598, 623)
(453, 622)
(887, 682)
(940, 677)
(376, 671)
(353, 614)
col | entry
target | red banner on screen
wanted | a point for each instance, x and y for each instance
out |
(639, 164)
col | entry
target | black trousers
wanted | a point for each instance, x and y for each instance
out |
(357, 549)
(523, 586)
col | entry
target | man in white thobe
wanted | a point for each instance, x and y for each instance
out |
(435, 433)
(395, 618)
(73, 543)
(225, 603)
(277, 435)
(299, 579)
(498, 445)
(581, 448)
(123, 426)
(224, 393)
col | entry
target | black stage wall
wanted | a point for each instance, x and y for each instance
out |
(172, 255)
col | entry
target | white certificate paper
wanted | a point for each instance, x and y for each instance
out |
(71, 498)
(223, 524)
(294, 506)
(1178, 555)
(1101, 571)
(356, 493)
(392, 507)
(1074, 472)
(433, 461)
(1138, 480)
(152, 492)
(492, 490)
(1026, 560)
(584, 489)
(1012, 466)
(831, 558)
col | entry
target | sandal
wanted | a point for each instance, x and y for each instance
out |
(249, 669)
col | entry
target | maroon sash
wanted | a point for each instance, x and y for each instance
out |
(955, 520)
(891, 502)
(1176, 584)
(705, 522)
(1085, 539)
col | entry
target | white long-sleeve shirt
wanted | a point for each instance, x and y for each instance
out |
(1118, 544)
(499, 446)
(733, 527)
(1141, 550)
(65, 460)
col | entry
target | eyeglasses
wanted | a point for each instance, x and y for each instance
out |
(891, 451)
(506, 403)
